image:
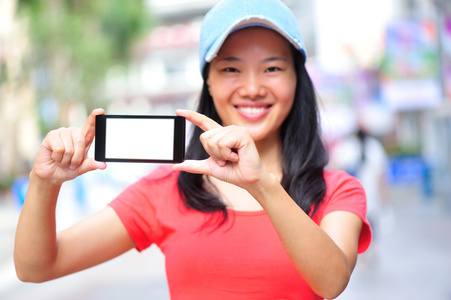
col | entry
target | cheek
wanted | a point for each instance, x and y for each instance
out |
(221, 93)
(220, 103)
(288, 93)
(216, 87)
(286, 98)
(224, 113)
(219, 98)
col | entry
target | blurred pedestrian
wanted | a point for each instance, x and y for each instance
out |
(363, 156)
(251, 214)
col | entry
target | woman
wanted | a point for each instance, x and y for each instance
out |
(251, 214)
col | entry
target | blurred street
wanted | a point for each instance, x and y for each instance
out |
(410, 260)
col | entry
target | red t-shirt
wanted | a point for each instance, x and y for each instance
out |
(241, 259)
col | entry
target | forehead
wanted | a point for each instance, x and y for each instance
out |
(260, 38)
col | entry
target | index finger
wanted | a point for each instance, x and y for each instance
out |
(200, 120)
(89, 128)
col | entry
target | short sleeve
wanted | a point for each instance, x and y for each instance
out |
(346, 193)
(135, 214)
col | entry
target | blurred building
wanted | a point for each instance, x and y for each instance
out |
(19, 125)
(417, 88)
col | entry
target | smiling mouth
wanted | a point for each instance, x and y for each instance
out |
(252, 110)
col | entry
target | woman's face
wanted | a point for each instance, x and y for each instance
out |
(252, 81)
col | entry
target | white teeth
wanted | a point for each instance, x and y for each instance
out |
(252, 110)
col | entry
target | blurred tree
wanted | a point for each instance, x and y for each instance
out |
(73, 45)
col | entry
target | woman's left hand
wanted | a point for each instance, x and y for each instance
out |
(233, 155)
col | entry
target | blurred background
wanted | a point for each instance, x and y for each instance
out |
(382, 70)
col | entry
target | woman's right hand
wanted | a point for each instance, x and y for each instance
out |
(40, 253)
(62, 155)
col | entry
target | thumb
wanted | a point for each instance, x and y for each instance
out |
(89, 164)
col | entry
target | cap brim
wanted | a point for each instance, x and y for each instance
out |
(250, 22)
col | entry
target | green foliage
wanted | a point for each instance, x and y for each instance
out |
(76, 42)
(3, 75)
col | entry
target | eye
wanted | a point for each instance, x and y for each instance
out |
(230, 70)
(272, 69)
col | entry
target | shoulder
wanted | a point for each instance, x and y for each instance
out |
(336, 179)
(163, 172)
(344, 192)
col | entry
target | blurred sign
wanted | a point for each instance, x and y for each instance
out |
(350, 38)
(446, 46)
(407, 170)
(409, 72)
(19, 189)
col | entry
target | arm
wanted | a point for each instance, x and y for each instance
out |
(324, 255)
(40, 253)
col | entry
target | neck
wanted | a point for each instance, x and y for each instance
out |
(270, 152)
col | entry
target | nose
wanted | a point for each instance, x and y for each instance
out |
(252, 86)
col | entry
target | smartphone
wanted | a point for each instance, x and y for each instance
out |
(139, 138)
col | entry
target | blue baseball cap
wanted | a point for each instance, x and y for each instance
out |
(230, 15)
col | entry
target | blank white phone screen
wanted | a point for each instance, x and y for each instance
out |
(139, 138)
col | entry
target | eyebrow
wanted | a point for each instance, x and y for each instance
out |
(229, 59)
(275, 58)
(268, 59)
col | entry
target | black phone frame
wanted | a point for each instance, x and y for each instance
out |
(179, 139)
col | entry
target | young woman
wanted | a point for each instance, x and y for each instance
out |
(252, 214)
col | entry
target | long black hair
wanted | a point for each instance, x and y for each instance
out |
(304, 154)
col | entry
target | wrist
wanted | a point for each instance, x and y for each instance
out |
(264, 187)
(41, 192)
(42, 182)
